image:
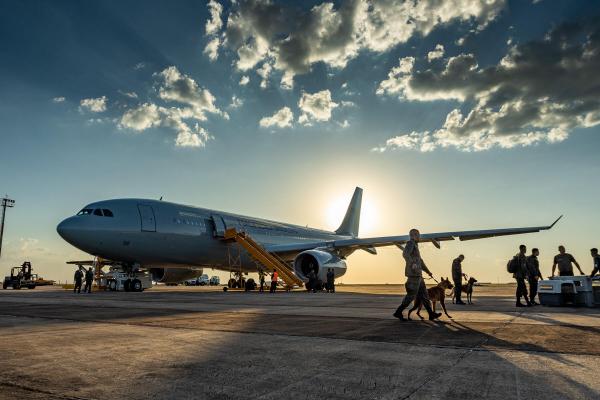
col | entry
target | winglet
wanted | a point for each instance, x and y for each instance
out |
(554, 223)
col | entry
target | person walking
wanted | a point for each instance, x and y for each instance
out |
(565, 262)
(457, 276)
(519, 267)
(78, 278)
(533, 274)
(274, 277)
(415, 285)
(596, 259)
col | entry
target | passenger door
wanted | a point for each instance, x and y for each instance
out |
(147, 218)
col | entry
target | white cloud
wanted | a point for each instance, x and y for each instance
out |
(183, 89)
(95, 104)
(316, 107)
(214, 22)
(212, 49)
(131, 95)
(436, 53)
(236, 102)
(244, 80)
(260, 30)
(396, 81)
(539, 92)
(264, 73)
(282, 119)
(141, 118)
(58, 99)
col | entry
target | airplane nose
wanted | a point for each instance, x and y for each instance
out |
(66, 229)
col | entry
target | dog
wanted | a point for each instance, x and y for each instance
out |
(468, 290)
(436, 293)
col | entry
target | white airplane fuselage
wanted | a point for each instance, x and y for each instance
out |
(155, 233)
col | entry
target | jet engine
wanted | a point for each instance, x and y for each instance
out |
(174, 275)
(319, 261)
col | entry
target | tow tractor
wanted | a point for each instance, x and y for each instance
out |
(118, 279)
(20, 277)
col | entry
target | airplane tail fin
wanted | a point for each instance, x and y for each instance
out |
(351, 220)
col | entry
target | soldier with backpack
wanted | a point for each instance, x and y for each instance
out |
(518, 267)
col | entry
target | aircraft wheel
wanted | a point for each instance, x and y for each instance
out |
(112, 285)
(127, 285)
(231, 283)
(136, 285)
(4, 285)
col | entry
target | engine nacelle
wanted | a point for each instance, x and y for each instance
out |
(319, 261)
(174, 275)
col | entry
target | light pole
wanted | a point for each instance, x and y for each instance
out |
(6, 203)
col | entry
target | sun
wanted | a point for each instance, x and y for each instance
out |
(368, 215)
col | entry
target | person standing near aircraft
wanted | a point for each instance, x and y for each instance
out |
(78, 278)
(415, 285)
(457, 276)
(596, 259)
(261, 278)
(565, 263)
(520, 274)
(89, 278)
(533, 274)
(274, 277)
(330, 281)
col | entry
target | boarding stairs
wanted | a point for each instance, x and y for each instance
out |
(270, 260)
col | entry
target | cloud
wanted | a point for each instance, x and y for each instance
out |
(58, 99)
(131, 95)
(264, 73)
(195, 101)
(292, 40)
(94, 105)
(236, 102)
(141, 118)
(214, 22)
(436, 53)
(539, 92)
(282, 119)
(212, 49)
(244, 80)
(316, 107)
(181, 88)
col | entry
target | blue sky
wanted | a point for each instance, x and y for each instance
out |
(113, 99)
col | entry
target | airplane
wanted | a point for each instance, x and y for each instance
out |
(173, 241)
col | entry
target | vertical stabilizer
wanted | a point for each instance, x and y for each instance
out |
(351, 220)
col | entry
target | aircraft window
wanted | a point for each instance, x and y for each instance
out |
(98, 212)
(85, 211)
(107, 213)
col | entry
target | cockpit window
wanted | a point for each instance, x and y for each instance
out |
(107, 213)
(98, 212)
(85, 211)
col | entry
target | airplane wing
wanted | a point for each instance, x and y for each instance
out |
(347, 246)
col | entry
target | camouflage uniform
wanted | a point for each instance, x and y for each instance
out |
(415, 285)
(520, 276)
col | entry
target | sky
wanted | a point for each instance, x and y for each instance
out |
(470, 115)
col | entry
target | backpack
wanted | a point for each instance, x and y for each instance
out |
(513, 265)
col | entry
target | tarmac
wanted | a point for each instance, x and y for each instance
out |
(203, 343)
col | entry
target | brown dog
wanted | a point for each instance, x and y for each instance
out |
(436, 293)
(468, 290)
